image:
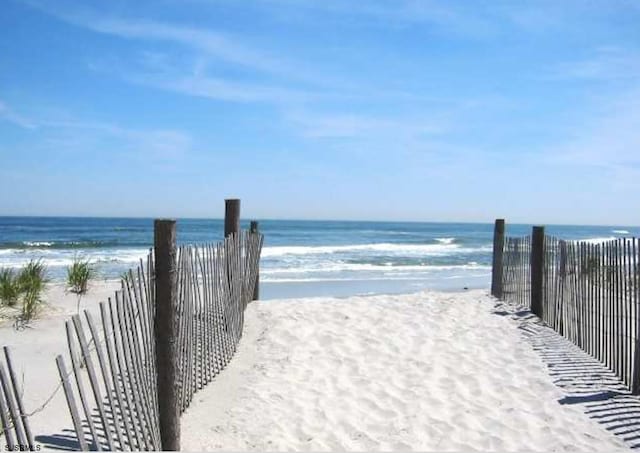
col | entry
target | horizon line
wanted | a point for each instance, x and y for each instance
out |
(271, 219)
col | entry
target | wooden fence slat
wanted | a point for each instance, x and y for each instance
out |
(86, 407)
(125, 374)
(6, 423)
(13, 409)
(17, 393)
(71, 402)
(93, 380)
(141, 377)
(133, 370)
(105, 376)
(115, 380)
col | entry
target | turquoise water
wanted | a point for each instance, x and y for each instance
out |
(300, 258)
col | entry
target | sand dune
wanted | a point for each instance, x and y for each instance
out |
(431, 371)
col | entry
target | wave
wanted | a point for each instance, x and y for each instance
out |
(620, 231)
(345, 267)
(38, 244)
(413, 249)
(57, 258)
(446, 240)
(60, 245)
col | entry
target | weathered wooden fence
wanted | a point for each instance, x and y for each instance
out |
(516, 277)
(118, 358)
(588, 292)
(15, 423)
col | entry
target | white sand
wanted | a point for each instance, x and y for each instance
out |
(35, 349)
(431, 371)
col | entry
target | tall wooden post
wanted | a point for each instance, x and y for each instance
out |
(256, 289)
(231, 216)
(166, 332)
(497, 264)
(537, 270)
(635, 379)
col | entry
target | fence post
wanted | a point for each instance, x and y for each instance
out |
(166, 332)
(496, 267)
(231, 216)
(256, 289)
(635, 380)
(537, 269)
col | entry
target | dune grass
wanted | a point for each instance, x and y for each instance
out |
(79, 274)
(31, 282)
(9, 288)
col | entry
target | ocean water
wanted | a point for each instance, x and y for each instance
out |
(300, 258)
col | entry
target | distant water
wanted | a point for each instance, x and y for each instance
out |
(300, 258)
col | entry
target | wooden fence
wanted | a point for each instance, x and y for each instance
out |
(588, 292)
(15, 423)
(516, 277)
(119, 358)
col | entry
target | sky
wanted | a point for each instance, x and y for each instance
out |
(370, 109)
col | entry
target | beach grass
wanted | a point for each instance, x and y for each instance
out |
(9, 288)
(31, 283)
(79, 274)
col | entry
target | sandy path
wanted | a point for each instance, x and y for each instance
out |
(432, 371)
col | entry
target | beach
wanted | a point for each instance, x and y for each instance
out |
(430, 371)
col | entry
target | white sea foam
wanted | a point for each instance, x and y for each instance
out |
(620, 231)
(38, 244)
(445, 240)
(65, 257)
(404, 249)
(355, 267)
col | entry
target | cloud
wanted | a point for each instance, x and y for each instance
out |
(606, 63)
(212, 43)
(442, 16)
(360, 126)
(207, 43)
(259, 76)
(197, 83)
(609, 143)
(81, 136)
(8, 114)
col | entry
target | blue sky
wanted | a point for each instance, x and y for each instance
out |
(385, 109)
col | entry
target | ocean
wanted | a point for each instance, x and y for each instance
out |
(300, 258)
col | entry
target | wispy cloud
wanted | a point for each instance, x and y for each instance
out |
(212, 43)
(442, 16)
(265, 77)
(364, 126)
(83, 136)
(606, 63)
(73, 136)
(609, 142)
(10, 115)
(207, 43)
(194, 80)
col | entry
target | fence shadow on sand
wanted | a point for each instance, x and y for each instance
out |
(587, 382)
